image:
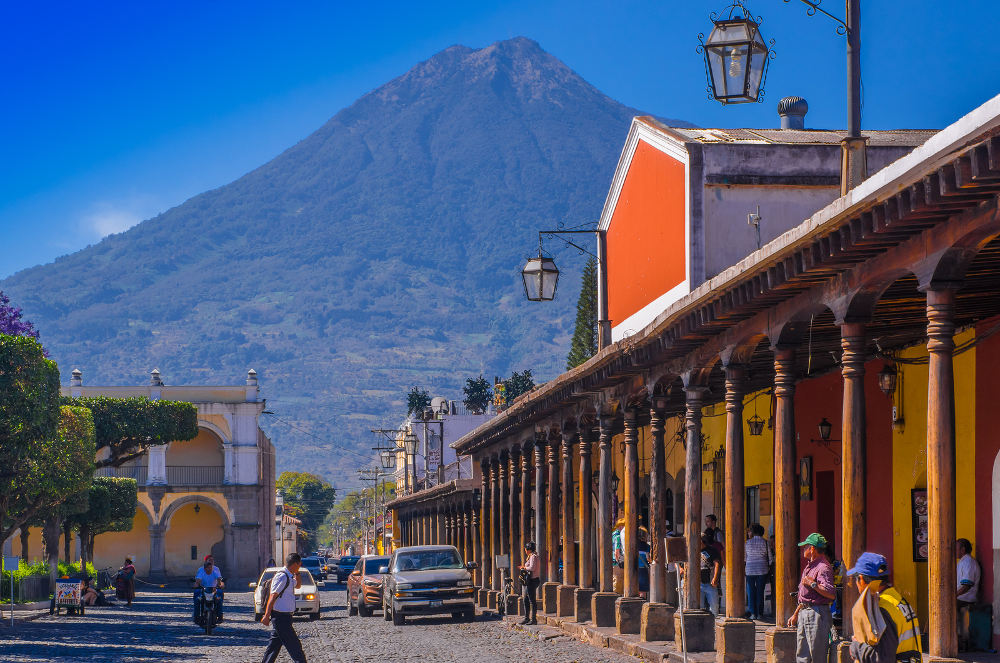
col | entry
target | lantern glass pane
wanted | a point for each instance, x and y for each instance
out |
(531, 274)
(550, 277)
(735, 66)
(715, 70)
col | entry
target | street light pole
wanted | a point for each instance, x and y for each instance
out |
(855, 161)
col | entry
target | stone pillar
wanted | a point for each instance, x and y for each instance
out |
(568, 524)
(157, 553)
(477, 545)
(525, 525)
(853, 341)
(496, 518)
(503, 531)
(540, 502)
(550, 587)
(735, 636)
(585, 527)
(657, 503)
(941, 563)
(485, 537)
(628, 608)
(156, 465)
(514, 515)
(781, 640)
(602, 605)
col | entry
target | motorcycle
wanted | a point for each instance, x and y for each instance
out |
(209, 608)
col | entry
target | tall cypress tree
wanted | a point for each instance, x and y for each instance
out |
(584, 344)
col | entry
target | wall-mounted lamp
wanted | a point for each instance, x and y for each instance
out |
(825, 428)
(197, 507)
(756, 425)
(887, 380)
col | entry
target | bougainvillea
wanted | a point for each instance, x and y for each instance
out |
(11, 322)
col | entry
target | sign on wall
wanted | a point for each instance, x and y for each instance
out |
(918, 503)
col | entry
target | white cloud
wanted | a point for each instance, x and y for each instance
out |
(106, 218)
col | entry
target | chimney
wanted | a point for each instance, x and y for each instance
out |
(154, 378)
(77, 379)
(792, 111)
(251, 378)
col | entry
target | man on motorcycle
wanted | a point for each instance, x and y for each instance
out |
(208, 575)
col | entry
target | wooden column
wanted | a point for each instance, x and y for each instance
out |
(657, 503)
(442, 534)
(941, 563)
(514, 512)
(569, 440)
(853, 341)
(734, 493)
(786, 488)
(503, 545)
(552, 513)
(692, 495)
(585, 526)
(448, 527)
(525, 526)
(540, 503)
(485, 537)
(604, 524)
(496, 518)
(477, 541)
(630, 535)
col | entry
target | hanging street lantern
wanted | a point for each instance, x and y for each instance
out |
(388, 459)
(825, 428)
(540, 277)
(736, 56)
(410, 441)
(756, 425)
(614, 483)
(887, 379)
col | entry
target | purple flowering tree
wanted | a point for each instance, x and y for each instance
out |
(11, 322)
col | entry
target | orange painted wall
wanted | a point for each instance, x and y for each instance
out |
(646, 255)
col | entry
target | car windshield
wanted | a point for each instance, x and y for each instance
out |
(425, 560)
(373, 565)
(349, 561)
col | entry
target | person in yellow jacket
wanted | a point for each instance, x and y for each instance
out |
(885, 625)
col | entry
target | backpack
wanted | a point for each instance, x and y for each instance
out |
(266, 585)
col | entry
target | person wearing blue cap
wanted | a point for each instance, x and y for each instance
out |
(885, 627)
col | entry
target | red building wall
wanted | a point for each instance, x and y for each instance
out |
(987, 448)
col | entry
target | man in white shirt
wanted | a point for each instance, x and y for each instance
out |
(968, 588)
(209, 575)
(280, 608)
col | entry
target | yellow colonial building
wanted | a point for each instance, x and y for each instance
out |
(212, 494)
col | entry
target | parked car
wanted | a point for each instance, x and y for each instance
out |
(306, 596)
(364, 585)
(345, 565)
(315, 568)
(427, 580)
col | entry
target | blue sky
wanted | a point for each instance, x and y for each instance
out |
(113, 112)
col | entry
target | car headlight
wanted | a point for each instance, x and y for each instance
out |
(373, 583)
(464, 583)
(310, 597)
(404, 585)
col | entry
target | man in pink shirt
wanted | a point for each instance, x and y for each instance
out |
(812, 618)
(530, 569)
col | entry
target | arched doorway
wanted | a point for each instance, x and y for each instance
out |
(196, 462)
(193, 529)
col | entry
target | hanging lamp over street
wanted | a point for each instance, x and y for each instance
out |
(736, 56)
(540, 277)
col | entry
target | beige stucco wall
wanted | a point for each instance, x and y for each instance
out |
(205, 450)
(111, 548)
(203, 530)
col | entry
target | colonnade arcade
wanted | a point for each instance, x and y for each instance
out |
(913, 260)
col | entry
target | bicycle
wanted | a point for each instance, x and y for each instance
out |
(105, 579)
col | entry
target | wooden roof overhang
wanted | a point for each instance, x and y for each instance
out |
(455, 491)
(871, 248)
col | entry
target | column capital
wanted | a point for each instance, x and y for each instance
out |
(736, 379)
(854, 343)
(784, 371)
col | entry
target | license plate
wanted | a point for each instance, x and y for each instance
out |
(435, 604)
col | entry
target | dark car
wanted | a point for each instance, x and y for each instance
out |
(345, 565)
(315, 568)
(427, 580)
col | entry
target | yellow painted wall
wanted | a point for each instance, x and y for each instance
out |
(187, 528)
(111, 548)
(35, 545)
(170, 498)
(205, 450)
(910, 463)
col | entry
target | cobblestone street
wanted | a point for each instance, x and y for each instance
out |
(159, 628)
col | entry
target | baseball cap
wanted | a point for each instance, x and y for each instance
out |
(870, 564)
(814, 539)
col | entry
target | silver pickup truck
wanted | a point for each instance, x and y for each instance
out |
(427, 580)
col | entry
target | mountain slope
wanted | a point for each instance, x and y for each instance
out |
(380, 252)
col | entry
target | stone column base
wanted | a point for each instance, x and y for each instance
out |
(842, 652)
(513, 604)
(491, 599)
(735, 640)
(657, 622)
(565, 600)
(779, 643)
(550, 597)
(628, 614)
(698, 629)
(602, 608)
(582, 604)
(481, 594)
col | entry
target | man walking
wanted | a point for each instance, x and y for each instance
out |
(280, 608)
(968, 589)
(757, 565)
(812, 618)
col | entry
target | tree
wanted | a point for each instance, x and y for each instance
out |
(111, 503)
(127, 427)
(584, 343)
(417, 400)
(29, 417)
(11, 322)
(478, 394)
(517, 384)
(56, 469)
(307, 497)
